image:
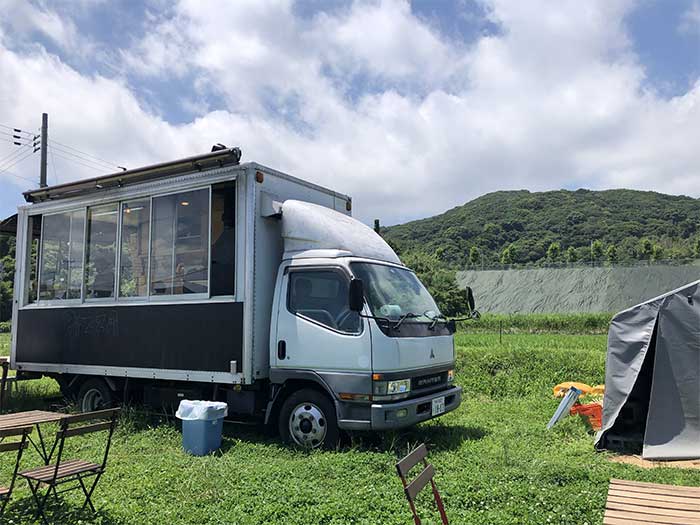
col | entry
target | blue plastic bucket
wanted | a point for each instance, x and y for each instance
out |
(202, 423)
(201, 437)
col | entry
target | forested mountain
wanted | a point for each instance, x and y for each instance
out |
(519, 227)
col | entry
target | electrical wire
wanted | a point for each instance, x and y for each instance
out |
(101, 165)
(15, 135)
(14, 154)
(13, 129)
(53, 163)
(78, 162)
(111, 164)
(17, 161)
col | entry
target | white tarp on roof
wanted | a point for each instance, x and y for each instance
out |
(307, 226)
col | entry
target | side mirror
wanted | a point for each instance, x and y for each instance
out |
(470, 298)
(451, 326)
(356, 295)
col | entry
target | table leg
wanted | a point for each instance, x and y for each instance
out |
(46, 457)
(3, 383)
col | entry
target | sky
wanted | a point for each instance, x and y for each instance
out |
(411, 108)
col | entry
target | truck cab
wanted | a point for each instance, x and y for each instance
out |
(350, 318)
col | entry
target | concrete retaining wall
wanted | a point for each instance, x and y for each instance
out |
(569, 290)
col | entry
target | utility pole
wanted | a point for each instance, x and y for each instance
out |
(44, 152)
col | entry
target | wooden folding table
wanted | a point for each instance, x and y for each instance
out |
(36, 418)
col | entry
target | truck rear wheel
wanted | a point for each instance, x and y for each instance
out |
(94, 394)
(307, 419)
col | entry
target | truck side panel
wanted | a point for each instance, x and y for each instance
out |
(201, 337)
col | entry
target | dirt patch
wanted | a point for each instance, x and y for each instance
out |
(638, 461)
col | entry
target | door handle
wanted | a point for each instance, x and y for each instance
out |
(281, 349)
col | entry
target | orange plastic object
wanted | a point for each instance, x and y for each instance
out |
(562, 388)
(592, 411)
(598, 390)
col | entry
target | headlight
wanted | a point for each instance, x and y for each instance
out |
(450, 376)
(398, 387)
(391, 389)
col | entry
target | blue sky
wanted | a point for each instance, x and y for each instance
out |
(411, 108)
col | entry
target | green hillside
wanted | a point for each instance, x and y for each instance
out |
(520, 227)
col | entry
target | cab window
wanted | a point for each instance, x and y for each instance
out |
(322, 297)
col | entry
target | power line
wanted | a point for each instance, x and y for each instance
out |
(53, 163)
(78, 162)
(111, 164)
(17, 161)
(15, 130)
(16, 136)
(16, 142)
(102, 165)
(14, 154)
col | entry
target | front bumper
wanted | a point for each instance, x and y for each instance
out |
(386, 416)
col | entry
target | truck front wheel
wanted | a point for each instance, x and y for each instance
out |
(307, 419)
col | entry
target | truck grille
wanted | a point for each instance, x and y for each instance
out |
(429, 381)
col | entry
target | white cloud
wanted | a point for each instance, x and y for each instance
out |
(374, 102)
(690, 20)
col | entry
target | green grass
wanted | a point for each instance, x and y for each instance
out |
(4, 344)
(495, 462)
(579, 323)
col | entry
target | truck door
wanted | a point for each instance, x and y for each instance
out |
(315, 328)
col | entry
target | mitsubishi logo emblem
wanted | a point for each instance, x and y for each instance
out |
(432, 354)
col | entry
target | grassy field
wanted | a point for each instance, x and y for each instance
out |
(496, 463)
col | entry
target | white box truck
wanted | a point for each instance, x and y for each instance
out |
(207, 278)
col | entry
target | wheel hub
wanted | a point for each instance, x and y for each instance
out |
(307, 425)
(92, 400)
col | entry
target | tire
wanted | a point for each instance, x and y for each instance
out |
(94, 394)
(307, 419)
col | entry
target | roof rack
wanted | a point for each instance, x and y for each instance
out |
(218, 158)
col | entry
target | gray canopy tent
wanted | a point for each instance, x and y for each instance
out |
(652, 378)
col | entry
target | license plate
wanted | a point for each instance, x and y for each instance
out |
(438, 405)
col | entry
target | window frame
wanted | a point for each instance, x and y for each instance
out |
(138, 194)
(117, 250)
(288, 293)
(40, 260)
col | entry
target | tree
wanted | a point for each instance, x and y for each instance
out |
(696, 247)
(507, 255)
(7, 276)
(554, 251)
(596, 250)
(474, 255)
(657, 252)
(611, 254)
(645, 248)
(571, 256)
(440, 280)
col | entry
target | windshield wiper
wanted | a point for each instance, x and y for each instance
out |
(403, 318)
(434, 320)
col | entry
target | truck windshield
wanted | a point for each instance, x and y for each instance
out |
(393, 292)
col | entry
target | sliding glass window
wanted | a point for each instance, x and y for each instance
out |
(133, 258)
(180, 244)
(223, 238)
(100, 257)
(61, 264)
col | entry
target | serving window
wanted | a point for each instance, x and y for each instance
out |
(164, 246)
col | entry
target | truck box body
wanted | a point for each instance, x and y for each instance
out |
(204, 277)
(222, 339)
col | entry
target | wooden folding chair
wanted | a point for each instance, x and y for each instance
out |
(411, 489)
(18, 446)
(65, 471)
